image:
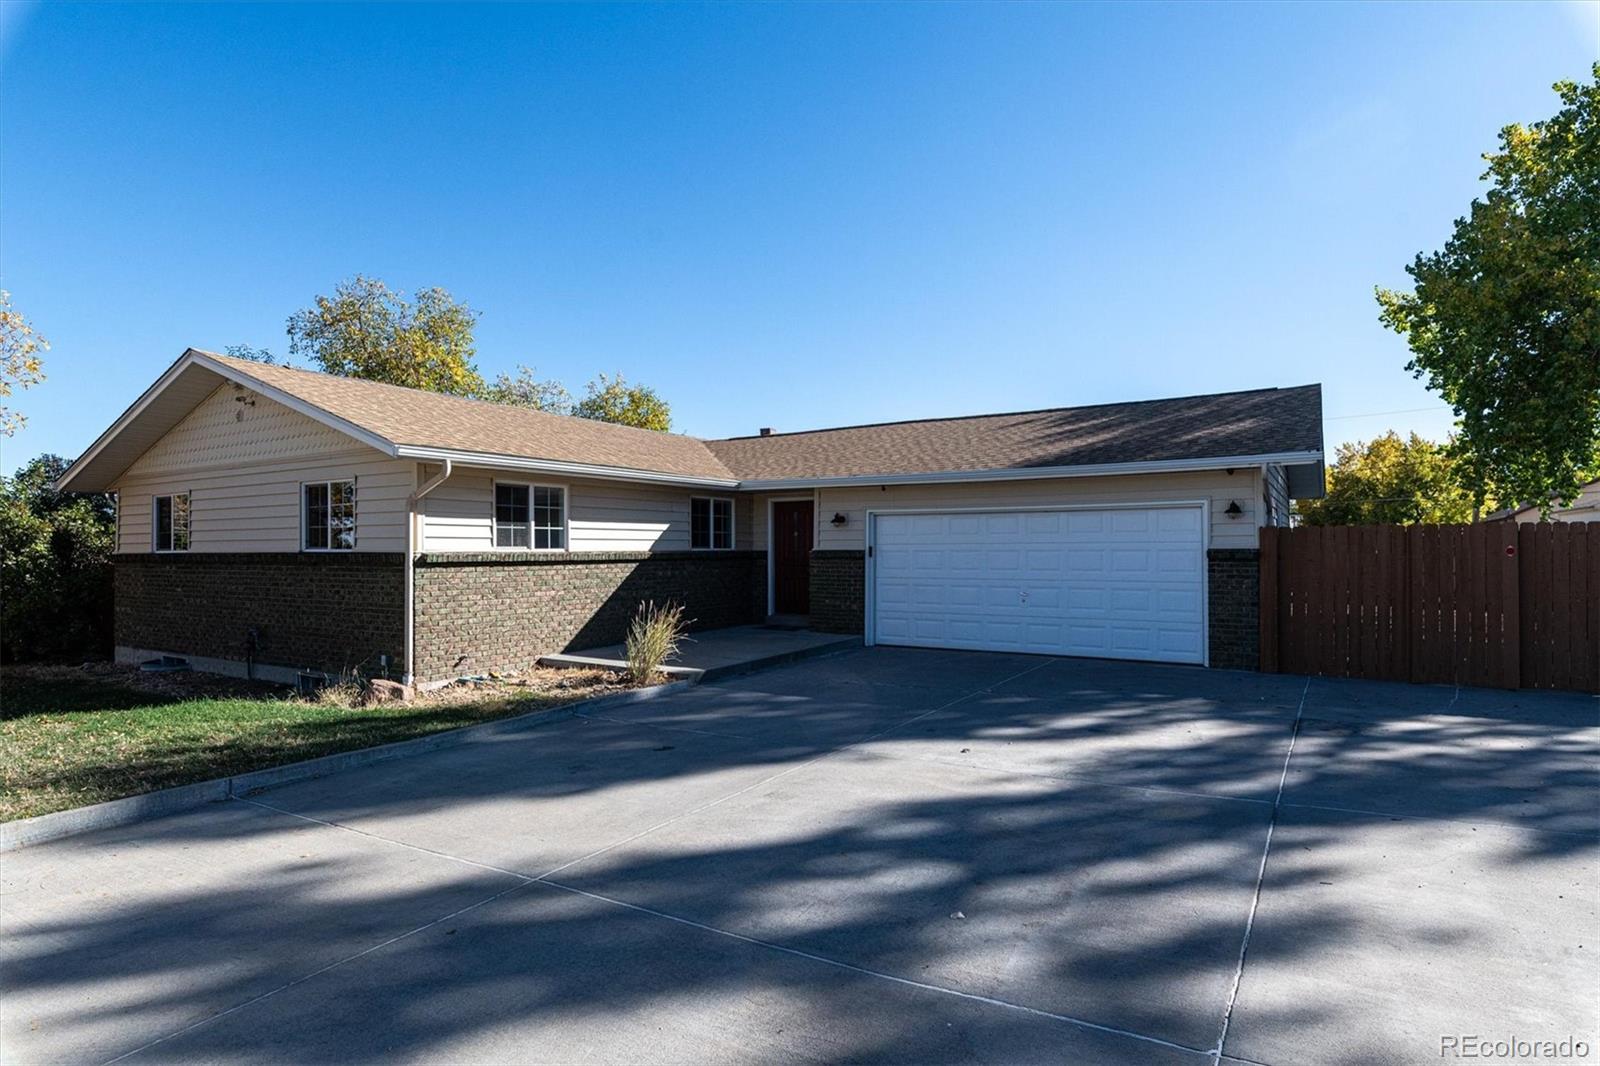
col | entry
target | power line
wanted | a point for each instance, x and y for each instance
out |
(1375, 414)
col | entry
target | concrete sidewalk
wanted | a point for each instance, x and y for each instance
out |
(718, 653)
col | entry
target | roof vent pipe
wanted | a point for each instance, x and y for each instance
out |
(766, 431)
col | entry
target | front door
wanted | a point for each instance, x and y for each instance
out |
(793, 522)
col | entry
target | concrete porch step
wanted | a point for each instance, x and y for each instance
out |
(719, 652)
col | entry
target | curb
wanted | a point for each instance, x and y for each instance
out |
(46, 827)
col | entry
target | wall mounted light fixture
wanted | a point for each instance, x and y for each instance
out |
(839, 519)
(1233, 510)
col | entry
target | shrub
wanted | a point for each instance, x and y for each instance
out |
(55, 566)
(653, 638)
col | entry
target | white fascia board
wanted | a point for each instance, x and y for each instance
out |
(294, 403)
(191, 357)
(557, 467)
(1037, 473)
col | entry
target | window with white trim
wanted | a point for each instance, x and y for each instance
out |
(329, 515)
(710, 523)
(530, 516)
(170, 516)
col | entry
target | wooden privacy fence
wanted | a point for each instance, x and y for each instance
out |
(1496, 604)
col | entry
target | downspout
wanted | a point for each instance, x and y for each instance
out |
(1266, 503)
(411, 563)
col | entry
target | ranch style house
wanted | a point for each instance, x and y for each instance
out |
(274, 521)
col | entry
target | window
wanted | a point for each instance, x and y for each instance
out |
(330, 515)
(710, 523)
(172, 522)
(511, 526)
(530, 516)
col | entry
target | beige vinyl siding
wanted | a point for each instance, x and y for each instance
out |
(458, 516)
(235, 427)
(1219, 487)
(243, 465)
(1277, 492)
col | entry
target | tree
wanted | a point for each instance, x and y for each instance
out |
(1390, 480)
(365, 330)
(614, 400)
(1504, 322)
(255, 355)
(21, 366)
(525, 390)
(55, 563)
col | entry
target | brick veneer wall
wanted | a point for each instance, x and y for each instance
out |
(1234, 576)
(838, 591)
(499, 611)
(320, 611)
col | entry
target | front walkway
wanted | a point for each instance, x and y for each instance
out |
(715, 653)
(883, 855)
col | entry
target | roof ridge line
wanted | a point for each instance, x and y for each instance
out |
(1012, 414)
(447, 395)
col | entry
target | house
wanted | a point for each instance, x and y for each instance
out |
(273, 520)
(1584, 508)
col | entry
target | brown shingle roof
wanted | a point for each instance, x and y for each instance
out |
(1258, 422)
(428, 419)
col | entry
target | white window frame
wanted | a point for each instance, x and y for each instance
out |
(188, 521)
(732, 521)
(355, 490)
(533, 527)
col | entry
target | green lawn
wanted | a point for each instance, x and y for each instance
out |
(69, 737)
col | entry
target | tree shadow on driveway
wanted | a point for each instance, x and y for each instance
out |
(717, 889)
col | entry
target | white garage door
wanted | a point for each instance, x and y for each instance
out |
(1120, 583)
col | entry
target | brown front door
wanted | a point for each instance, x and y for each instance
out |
(792, 525)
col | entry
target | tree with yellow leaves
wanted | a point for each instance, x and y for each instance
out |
(21, 362)
(367, 330)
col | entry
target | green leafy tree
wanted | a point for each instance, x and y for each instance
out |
(365, 330)
(1390, 480)
(526, 390)
(21, 362)
(55, 563)
(255, 355)
(1504, 322)
(612, 399)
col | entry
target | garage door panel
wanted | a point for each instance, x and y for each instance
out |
(1116, 582)
(1185, 520)
(1183, 603)
(1085, 561)
(1135, 600)
(1043, 562)
(1130, 561)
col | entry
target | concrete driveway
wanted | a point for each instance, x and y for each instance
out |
(886, 855)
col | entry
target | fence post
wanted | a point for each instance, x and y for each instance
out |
(1268, 596)
(1510, 563)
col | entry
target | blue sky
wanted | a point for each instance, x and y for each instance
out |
(788, 216)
